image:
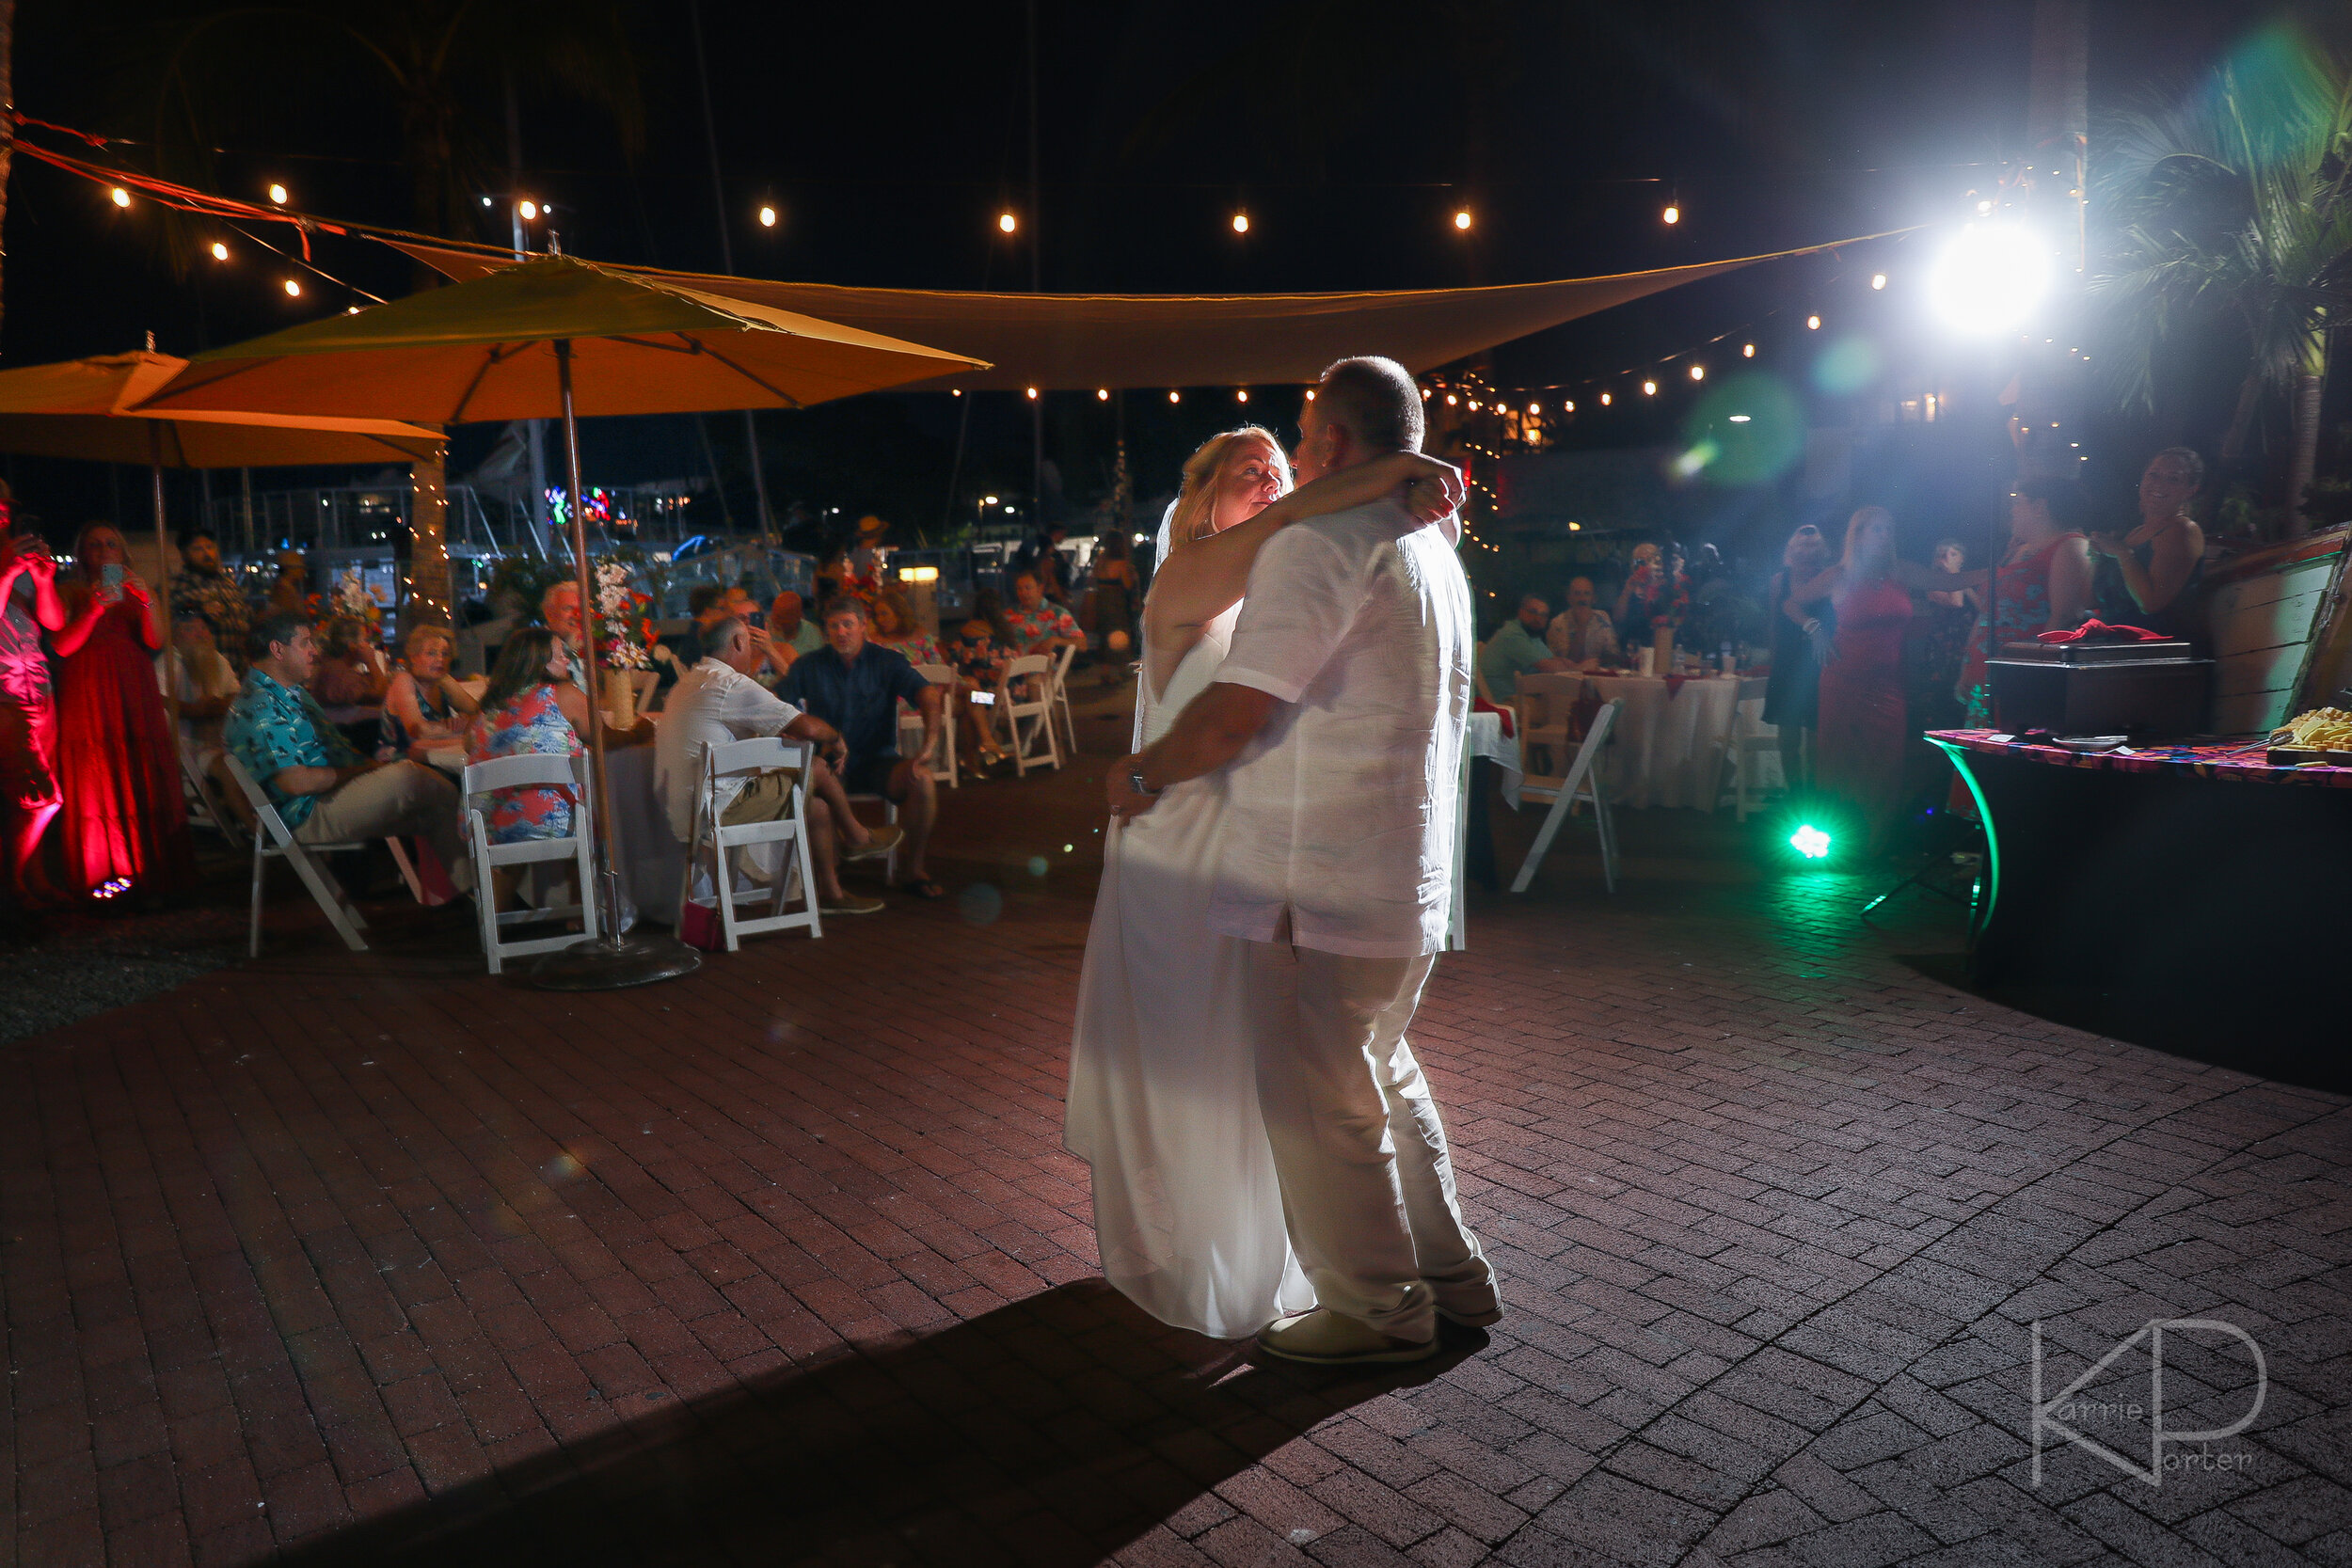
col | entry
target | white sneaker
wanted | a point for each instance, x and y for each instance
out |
(1323, 1338)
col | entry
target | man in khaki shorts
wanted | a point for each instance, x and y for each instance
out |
(717, 702)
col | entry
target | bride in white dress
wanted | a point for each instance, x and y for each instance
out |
(1163, 1087)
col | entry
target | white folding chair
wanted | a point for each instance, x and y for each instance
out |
(1542, 710)
(544, 769)
(206, 809)
(1035, 669)
(743, 761)
(1060, 694)
(273, 841)
(1747, 740)
(1582, 784)
(911, 725)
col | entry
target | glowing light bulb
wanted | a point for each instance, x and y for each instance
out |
(1568, 409)
(1032, 394)
(122, 198)
(1462, 219)
(1673, 214)
(294, 286)
(1698, 372)
(1739, 419)
(1311, 394)
(1102, 394)
(1604, 400)
(1747, 351)
(1878, 280)
(767, 217)
(220, 251)
(1175, 396)
(1451, 400)
(277, 194)
(1006, 223)
(1649, 389)
(1813, 324)
(1534, 407)
(1241, 394)
(1241, 223)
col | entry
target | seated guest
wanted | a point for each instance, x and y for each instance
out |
(1583, 634)
(290, 592)
(195, 675)
(1518, 649)
(425, 704)
(791, 632)
(522, 714)
(896, 629)
(717, 702)
(1035, 623)
(981, 646)
(855, 686)
(204, 587)
(318, 783)
(707, 604)
(352, 670)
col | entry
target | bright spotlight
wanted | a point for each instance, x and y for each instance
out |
(1810, 842)
(1990, 278)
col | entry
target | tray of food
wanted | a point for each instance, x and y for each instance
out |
(2323, 736)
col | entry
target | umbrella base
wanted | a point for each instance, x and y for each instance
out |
(612, 963)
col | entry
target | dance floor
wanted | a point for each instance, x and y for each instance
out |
(378, 1260)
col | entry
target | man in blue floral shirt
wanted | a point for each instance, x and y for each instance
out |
(321, 787)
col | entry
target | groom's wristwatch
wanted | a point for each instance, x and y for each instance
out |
(1135, 782)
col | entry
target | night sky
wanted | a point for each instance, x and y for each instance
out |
(889, 137)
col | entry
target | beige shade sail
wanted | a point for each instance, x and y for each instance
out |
(1079, 342)
(485, 349)
(82, 408)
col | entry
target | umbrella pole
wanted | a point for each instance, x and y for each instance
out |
(609, 960)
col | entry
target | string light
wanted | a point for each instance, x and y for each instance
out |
(1649, 389)
(1102, 394)
(220, 251)
(1241, 394)
(767, 217)
(1604, 400)
(1673, 214)
(530, 210)
(1032, 394)
(294, 286)
(1878, 280)
(1698, 372)
(1175, 396)
(277, 194)
(1462, 219)
(1813, 324)
(1534, 407)
(1450, 400)
(1241, 223)
(122, 198)
(1568, 409)
(1747, 351)
(1006, 223)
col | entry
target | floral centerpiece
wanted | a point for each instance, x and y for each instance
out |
(623, 634)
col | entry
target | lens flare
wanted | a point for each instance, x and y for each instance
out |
(1990, 278)
(1810, 842)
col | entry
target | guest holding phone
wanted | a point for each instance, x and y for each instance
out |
(125, 822)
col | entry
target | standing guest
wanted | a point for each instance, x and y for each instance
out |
(205, 587)
(894, 627)
(125, 821)
(855, 686)
(1518, 649)
(1035, 623)
(1041, 558)
(1793, 700)
(290, 592)
(522, 714)
(2153, 577)
(1115, 594)
(1583, 634)
(425, 704)
(717, 702)
(1938, 643)
(2043, 583)
(28, 715)
(199, 680)
(352, 669)
(1858, 757)
(318, 785)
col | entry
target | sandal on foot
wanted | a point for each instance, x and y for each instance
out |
(923, 888)
(884, 840)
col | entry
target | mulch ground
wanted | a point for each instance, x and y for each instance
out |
(377, 1259)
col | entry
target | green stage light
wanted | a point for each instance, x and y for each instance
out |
(1810, 842)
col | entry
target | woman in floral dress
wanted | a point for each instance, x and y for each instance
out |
(522, 715)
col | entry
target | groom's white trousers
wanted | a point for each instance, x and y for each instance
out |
(1367, 1183)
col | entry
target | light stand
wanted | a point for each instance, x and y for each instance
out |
(610, 959)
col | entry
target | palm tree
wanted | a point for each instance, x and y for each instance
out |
(2237, 207)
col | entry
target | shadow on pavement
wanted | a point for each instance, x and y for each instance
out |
(1051, 1431)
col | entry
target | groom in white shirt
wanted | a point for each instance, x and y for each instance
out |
(1339, 714)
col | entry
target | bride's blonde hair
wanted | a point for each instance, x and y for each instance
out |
(1196, 497)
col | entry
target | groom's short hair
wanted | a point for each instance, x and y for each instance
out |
(1376, 400)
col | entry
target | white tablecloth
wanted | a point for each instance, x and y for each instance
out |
(1667, 746)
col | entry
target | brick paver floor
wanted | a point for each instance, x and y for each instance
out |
(380, 1260)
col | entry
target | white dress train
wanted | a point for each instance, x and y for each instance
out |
(1163, 1079)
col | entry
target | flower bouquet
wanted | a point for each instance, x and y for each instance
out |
(623, 634)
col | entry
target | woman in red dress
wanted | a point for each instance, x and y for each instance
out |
(1864, 724)
(126, 821)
